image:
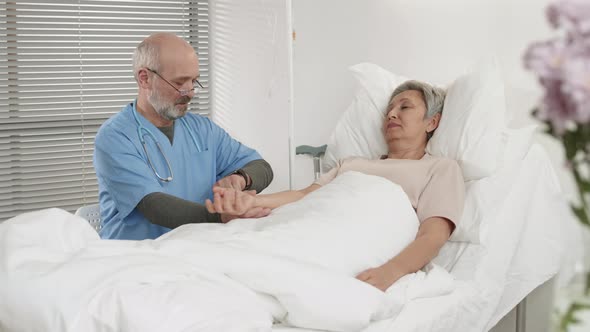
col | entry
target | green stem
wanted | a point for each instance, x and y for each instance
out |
(582, 210)
(569, 318)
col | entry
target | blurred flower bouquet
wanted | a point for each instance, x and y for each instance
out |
(562, 65)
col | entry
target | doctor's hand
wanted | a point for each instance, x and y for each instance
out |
(380, 277)
(234, 202)
(233, 181)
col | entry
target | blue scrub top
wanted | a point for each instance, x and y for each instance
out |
(125, 177)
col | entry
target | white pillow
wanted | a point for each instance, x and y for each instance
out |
(484, 197)
(470, 129)
(473, 122)
(359, 130)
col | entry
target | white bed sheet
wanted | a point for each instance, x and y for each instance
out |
(297, 265)
(550, 243)
(522, 247)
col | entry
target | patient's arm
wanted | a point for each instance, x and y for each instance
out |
(432, 235)
(234, 202)
(275, 200)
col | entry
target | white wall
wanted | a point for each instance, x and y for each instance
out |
(251, 77)
(422, 39)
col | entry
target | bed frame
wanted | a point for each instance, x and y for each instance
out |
(532, 314)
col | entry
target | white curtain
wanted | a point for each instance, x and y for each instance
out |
(251, 77)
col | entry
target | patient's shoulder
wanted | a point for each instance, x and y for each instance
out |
(353, 159)
(440, 160)
(443, 165)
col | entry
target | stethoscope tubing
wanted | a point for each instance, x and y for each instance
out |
(142, 131)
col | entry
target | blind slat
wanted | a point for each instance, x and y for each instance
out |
(43, 177)
(62, 182)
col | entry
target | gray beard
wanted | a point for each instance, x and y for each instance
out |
(165, 110)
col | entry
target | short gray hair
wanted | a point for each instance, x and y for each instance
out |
(434, 97)
(146, 54)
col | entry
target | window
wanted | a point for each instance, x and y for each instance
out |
(65, 67)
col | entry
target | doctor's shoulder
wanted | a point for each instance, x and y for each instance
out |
(115, 130)
(202, 124)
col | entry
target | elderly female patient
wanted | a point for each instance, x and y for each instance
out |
(434, 185)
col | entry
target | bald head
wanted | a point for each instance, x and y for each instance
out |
(161, 50)
(166, 69)
(165, 37)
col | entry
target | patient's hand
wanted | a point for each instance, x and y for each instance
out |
(381, 277)
(231, 204)
(257, 212)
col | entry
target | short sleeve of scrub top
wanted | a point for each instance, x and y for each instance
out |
(230, 154)
(123, 172)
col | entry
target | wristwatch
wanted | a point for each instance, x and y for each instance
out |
(245, 176)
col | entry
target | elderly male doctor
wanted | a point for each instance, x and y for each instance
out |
(156, 163)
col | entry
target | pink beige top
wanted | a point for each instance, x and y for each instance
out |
(434, 185)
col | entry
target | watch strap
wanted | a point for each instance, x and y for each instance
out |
(245, 176)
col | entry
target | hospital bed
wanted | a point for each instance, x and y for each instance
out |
(530, 311)
(521, 250)
(474, 118)
(521, 300)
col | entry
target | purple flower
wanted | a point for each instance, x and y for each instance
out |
(556, 107)
(546, 58)
(573, 15)
(576, 85)
(567, 88)
(563, 66)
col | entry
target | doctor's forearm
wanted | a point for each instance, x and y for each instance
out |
(170, 211)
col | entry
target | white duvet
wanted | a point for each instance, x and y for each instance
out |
(296, 266)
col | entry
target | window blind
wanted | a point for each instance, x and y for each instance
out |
(65, 67)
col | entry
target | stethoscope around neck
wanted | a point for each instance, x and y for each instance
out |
(143, 131)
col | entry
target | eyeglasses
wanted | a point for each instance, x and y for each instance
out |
(196, 84)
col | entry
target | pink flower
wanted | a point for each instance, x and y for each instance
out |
(563, 66)
(567, 88)
(556, 107)
(573, 15)
(546, 58)
(576, 85)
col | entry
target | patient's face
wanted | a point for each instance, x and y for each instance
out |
(405, 117)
